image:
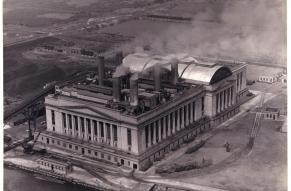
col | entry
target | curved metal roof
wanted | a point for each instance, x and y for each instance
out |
(205, 75)
(188, 68)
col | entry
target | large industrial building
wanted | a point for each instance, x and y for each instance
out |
(147, 106)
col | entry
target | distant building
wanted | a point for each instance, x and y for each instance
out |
(150, 105)
(271, 113)
(52, 164)
(271, 74)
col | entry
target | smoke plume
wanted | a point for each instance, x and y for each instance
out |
(121, 71)
(238, 29)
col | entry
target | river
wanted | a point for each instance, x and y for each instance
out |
(18, 180)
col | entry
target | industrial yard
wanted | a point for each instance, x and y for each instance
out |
(147, 95)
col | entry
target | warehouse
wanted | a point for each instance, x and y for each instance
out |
(149, 105)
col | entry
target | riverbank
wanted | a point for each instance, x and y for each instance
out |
(58, 177)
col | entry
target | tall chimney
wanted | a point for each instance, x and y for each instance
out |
(174, 71)
(133, 91)
(157, 77)
(101, 72)
(118, 58)
(116, 88)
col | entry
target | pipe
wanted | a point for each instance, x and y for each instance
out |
(116, 89)
(174, 71)
(157, 77)
(133, 91)
(101, 72)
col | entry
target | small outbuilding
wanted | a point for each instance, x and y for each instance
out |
(56, 165)
(271, 113)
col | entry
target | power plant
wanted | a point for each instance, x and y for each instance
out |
(147, 106)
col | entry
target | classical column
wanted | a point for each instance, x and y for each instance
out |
(111, 137)
(79, 127)
(178, 120)
(183, 120)
(191, 112)
(150, 135)
(187, 115)
(160, 130)
(164, 127)
(169, 125)
(155, 135)
(173, 122)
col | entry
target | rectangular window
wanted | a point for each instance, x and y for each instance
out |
(171, 122)
(185, 113)
(70, 146)
(109, 157)
(102, 155)
(152, 132)
(76, 147)
(162, 126)
(181, 114)
(53, 117)
(146, 134)
(76, 123)
(176, 119)
(82, 124)
(95, 127)
(167, 124)
(194, 110)
(189, 111)
(101, 129)
(114, 127)
(129, 136)
(70, 121)
(89, 151)
(241, 75)
(202, 107)
(157, 131)
(108, 130)
(64, 120)
(88, 122)
(95, 153)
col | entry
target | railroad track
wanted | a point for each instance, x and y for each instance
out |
(40, 95)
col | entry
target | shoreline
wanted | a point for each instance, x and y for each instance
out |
(58, 177)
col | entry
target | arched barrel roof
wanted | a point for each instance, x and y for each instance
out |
(203, 73)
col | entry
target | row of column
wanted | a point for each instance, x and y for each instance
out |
(90, 130)
(224, 99)
(168, 125)
(239, 80)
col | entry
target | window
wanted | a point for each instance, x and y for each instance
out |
(64, 144)
(194, 110)
(76, 147)
(70, 121)
(108, 130)
(89, 151)
(146, 129)
(58, 142)
(70, 146)
(95, 127)
(102, 155)
(157, 131)
(76, 123)
(64, 120)
(109, 157)
(96, 154)
(82, 124)
(88, 121)
(171, 122)
(189, 112)
(176, 119)
(162, 126)
(101, 129)
(54, 129)
(53, 117)
(134, 166)
(115, 159)
(129, 136)
(53, 141)
(202, 107)
(114, 127)
(181, 114)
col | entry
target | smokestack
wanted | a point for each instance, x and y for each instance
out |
(134, 90)
(157, 77)
(174, 71)
(118, 58)
(116, 88)
(101, 72)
